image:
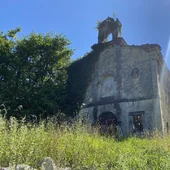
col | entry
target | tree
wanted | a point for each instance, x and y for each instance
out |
(33, 71)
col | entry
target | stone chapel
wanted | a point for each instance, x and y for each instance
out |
(127, 87)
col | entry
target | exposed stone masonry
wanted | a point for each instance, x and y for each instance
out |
(128, 77)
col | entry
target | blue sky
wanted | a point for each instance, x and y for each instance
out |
(144, 21)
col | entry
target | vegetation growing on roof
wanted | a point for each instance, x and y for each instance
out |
(98, 24)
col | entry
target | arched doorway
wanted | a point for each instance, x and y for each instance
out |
(108, 123)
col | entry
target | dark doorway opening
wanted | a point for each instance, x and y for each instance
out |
(108, 123)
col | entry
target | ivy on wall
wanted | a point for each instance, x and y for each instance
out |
(79, 76)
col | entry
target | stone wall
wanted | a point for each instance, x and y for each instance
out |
(149, 119)
(127, 76)
(164, 92)
(122, 73)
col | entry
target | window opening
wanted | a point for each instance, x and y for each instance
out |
(137, 123)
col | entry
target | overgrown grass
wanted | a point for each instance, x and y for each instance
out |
(79, 148)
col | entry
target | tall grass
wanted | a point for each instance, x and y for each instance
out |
(79, 148)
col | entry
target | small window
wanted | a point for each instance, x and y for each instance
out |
(135, 73)
(137, 123)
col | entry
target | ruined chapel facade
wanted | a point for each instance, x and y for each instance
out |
(127, 85)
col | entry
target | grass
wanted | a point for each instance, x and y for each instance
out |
(79, 148)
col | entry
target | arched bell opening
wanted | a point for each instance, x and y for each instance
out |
(109, 38)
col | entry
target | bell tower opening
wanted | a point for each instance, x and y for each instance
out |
(109, 38)
(109, 29)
